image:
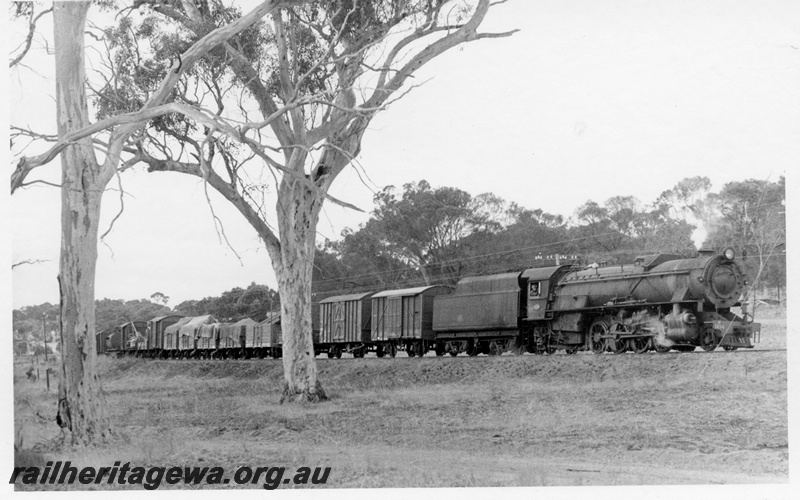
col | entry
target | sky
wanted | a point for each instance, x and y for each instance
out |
(588, 100)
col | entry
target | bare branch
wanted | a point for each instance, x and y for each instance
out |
(29, 38)
(466, 33)
(222, 187)
(121, 208)
(23, 262)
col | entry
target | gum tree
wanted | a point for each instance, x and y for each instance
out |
(84, 178)
(290, 110)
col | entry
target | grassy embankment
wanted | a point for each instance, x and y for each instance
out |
(509, 421)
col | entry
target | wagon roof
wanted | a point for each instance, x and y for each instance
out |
(201, 320)
(233, 328)
(161, 318)
(208, 329)
(176, 326)
(246, 322)
(134, 323)
(346, 298)
(405, 291)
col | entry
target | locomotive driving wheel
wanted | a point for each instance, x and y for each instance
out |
(709, 338)
(615, 343)
(639, 345)
(597, 335)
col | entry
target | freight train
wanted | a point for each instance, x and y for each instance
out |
(659, 302)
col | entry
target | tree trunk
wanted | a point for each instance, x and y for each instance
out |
(81, 400)
(298, 212)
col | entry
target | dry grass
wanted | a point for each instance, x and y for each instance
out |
(510, 421)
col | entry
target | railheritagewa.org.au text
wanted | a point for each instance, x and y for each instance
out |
(151, 478)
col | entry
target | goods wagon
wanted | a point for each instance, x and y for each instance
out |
(171, 337)
(403, 320)
(155, 332)
(103, 340)
(206, 340)
(189, 335)
(134, 338)
(113, 340)
(344, 322)
(230, 340)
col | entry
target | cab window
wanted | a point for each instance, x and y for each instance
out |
(533, 289)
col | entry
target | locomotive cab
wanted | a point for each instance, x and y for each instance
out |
(538, 286)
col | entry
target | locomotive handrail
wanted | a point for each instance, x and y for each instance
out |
(628, 276)
(607, 306)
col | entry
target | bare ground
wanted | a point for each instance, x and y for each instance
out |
(691, 418)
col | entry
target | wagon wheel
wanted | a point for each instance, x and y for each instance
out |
(571, 350)
(472, 349)
(493, 349)
(597, 333)
(337, 352)
(379, 351)
(410, 350)
(439, 349)
(392, 350)
(419, 348)
(639, 345)
(330, 354)
(709, 338)
(617, 344)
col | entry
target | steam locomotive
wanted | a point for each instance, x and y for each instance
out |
(660, 302)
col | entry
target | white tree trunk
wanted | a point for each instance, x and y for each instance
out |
(298, 212)
(81, 405)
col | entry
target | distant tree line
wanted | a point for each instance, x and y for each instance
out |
(254, 302)
(426, 235)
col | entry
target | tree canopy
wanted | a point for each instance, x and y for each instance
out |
(485, 234)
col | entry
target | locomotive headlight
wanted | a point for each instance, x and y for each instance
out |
(728, 253)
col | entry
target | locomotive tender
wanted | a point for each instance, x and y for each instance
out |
(660, 302)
